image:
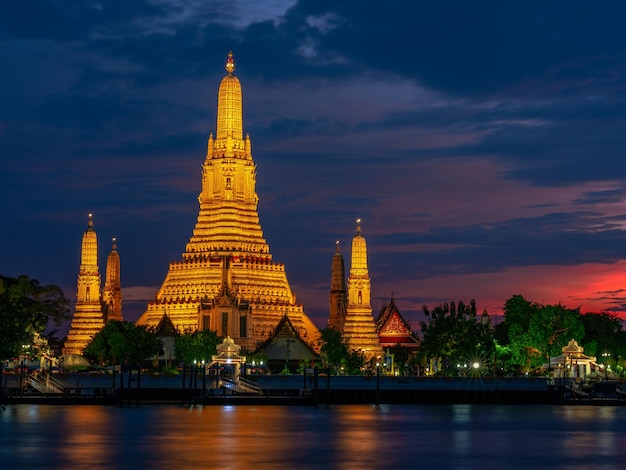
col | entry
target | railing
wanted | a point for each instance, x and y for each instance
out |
(241, 385)
(248, 386)
(46, 385)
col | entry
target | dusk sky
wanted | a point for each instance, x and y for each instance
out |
(482, 143)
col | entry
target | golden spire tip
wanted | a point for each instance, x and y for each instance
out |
(230, 63)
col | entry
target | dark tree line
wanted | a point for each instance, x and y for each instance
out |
(26, 308)
(530, 334)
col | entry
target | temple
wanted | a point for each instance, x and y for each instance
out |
(394, 330)
(92, 309)
(112, 294)
(227, 280)
(359, 329)
(338, 292)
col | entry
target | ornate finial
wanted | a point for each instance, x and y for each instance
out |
(337, 245)
(90, 223)
(114, 240)
(230, 63)
(358, 226)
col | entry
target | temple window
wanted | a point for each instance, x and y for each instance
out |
(360, 301)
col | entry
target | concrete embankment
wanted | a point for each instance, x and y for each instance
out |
(292, 389)
(407, 390)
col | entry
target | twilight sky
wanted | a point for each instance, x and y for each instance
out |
(482, 143)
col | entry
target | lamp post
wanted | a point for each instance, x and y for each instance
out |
(377, 383)
(607, 366)
(203, 378)
(288, 341)
(195, 376)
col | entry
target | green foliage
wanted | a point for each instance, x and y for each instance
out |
(353, 362)
(121, 341)
(454, 334)
(336, 353)
(400, 355)
(604, 337)
(197, 346)
(257, 358)
(26, 307)
(502, 360)
(332, 347)
(537, 332)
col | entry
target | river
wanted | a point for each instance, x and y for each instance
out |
(299, 437)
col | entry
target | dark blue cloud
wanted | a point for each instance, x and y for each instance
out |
(354, 109)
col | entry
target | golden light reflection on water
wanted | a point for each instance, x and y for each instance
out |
(85, 437)
(343, 437)
(245, 437)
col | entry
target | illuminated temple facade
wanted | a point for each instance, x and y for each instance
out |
(227, 280)
(93, 308)
(350, 306)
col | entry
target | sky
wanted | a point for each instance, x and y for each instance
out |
(481, 143)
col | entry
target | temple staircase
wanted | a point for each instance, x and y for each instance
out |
(242, 386)
(48, 385)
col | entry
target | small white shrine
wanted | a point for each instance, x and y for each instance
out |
(228, 357)
(572, 363)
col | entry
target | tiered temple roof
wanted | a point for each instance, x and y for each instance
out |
(393, 329)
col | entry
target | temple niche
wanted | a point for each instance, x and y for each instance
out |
(226, 280)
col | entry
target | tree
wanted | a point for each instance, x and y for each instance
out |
(400, 355)
(454, 335)
(336, 353)
(537, 332)
(196, 346)
(121, 341)
(604, 337)
(332, 347)
(26, 307)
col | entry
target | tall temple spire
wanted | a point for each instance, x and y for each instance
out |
(87, 319)
(112, 294)
(227, 280)
(359, 327)
(229, 109)
(338, 297)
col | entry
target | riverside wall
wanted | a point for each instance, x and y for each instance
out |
(289, 389)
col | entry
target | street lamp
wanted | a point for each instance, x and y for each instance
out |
(203, 378)
(288, 341)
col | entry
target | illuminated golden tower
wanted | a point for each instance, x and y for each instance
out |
(112, 294)
(338, 297)
(87, 319)
(359, 329)
(227, 280)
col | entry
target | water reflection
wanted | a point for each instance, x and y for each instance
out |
(344, 437)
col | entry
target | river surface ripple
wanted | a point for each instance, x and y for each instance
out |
(294, 437)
